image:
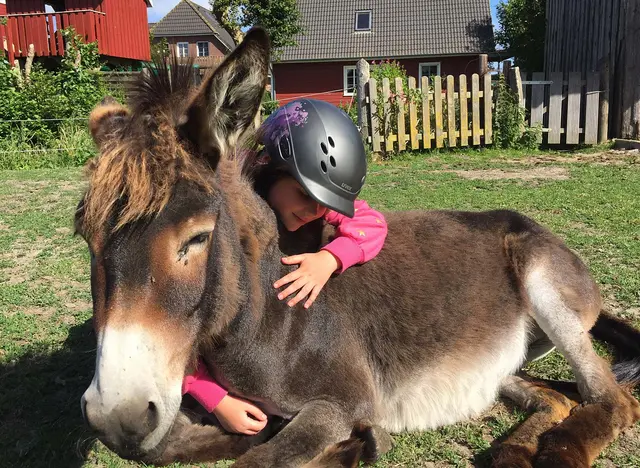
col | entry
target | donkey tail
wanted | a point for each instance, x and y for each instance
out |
(625, 338)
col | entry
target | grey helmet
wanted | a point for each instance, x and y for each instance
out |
(321, 148)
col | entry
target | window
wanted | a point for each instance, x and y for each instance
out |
(183, 49)
(363, 20)
(203, 49)
(428, 69)
(349, 80)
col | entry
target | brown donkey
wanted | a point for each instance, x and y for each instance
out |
(183, 258)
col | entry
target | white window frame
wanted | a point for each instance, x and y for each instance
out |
(273, 85)
(198, 48)
(355, 26)
(429, 64)
(178, 44)
(345, 79)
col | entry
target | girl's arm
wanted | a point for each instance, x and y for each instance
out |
(234, 414)
(357, 239)
(203, 388)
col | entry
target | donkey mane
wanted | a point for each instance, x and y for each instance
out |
(139, 166)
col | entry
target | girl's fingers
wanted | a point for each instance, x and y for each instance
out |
(294, 275)
(293, 259)
(304, 292)
(314, 295)
(292, 288)
(256, 413)
(253, 425)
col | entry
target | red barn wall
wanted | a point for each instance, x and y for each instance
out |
(322, 79)
(126, 28)
(122, 32)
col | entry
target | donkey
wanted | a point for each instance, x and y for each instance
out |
(183, 258)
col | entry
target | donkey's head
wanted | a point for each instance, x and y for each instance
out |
(167, 216)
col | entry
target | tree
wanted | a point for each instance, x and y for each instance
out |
(280, 18)
(159, 48)
(522, 31)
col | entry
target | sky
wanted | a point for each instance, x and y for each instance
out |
(162, 7)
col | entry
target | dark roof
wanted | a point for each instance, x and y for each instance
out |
(399, 28)
(190, 19)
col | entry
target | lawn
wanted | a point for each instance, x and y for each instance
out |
(47, 347)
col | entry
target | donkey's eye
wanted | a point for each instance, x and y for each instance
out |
(199, 239)
(196, 242)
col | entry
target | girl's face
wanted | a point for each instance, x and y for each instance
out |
(292, 204)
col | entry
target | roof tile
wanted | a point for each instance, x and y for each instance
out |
(400, 28)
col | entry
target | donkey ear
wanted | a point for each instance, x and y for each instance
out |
(107, 119)
(227, 102)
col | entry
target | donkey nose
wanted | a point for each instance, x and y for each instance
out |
(124, 426)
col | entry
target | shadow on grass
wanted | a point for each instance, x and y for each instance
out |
(41, 422)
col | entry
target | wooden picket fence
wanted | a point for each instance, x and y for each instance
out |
(569, 107)
(447, 114)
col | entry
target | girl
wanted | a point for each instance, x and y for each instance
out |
(313, 165)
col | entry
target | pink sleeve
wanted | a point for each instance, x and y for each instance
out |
(203, 388)
(358, 239)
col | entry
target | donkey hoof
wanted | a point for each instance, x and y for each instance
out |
(376, 440)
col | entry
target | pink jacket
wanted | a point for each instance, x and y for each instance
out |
(357, 240)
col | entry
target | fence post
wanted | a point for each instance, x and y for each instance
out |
(604, 102)
(516, 86)
(488, 114)
(483, 64)
(506, 70)
(515, 81)
(362, 77)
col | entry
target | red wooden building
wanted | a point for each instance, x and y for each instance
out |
(119, 26)
(430, 37)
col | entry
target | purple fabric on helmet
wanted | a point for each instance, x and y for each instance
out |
(291, 114)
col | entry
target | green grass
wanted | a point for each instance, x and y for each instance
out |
(47, 347)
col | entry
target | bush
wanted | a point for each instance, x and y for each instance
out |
(72, 147)
(351, 110)
(47, 107)
(268, 104)
(509, 129)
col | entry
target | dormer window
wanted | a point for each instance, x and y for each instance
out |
(363, 20)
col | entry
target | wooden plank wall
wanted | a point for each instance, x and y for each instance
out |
(566, 106)
(449, 115)
(584, 35)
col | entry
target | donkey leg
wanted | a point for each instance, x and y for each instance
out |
(548, 407)
(367, 443)
(191, 442)
(345, 454)
(565, 305)
(317, 426)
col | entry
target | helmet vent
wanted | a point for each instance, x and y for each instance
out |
(331, 143)
(323, 166)
(332, 160)
(324, 148)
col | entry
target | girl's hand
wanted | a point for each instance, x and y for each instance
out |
(240, 416)
(313, 273)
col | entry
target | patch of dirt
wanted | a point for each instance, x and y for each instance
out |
(545, 173)
(608, 158)
(584, 228)
(462, 450)
(22, 256)
(27, 184)
(79, 306)
(44, 312)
